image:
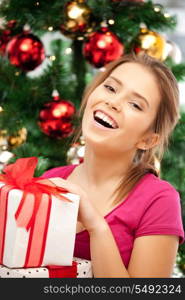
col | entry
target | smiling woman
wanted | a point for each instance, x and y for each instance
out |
(129, 221)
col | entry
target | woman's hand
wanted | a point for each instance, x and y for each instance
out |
(88, 215)
(105, 257)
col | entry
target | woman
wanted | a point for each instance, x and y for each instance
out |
(129, 221)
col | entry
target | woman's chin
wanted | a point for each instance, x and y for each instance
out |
(99, 144)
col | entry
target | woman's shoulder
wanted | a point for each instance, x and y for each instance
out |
(62, 171)
(159, 208)
(156, 194)
(153, 184)
(152, 191)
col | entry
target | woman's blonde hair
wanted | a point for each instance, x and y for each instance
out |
(166, 118)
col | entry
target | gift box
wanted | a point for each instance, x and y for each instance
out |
(37, 219)
(80, 268)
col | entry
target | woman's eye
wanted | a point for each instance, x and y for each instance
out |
(110, 88)
(136, 105)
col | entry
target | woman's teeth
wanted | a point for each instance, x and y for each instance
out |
(104, 120)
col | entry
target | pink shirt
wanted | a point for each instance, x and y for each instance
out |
(152, 207)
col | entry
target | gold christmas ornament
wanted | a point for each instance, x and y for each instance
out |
(79, 20)
(18, 139)
(152, 43)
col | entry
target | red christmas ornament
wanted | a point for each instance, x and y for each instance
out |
(56, 116)
(102, 47)
(25, 51)
(5, 37)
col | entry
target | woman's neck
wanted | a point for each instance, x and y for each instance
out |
(101, 170)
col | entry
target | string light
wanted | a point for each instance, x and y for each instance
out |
(52, 57)
(17, 73)
(1, 109)
(111, 22)
(157, 9)
(4, 147)
(80, 38)
(50, 28)
(166, 15)
(68, 51)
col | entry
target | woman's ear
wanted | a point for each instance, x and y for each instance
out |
(149, 142)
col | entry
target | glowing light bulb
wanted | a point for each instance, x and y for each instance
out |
(68, 51)
(157, 9)
(111, 22)
(167, 15)
(52, 57)
(50, 28)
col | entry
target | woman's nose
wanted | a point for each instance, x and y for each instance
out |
(114, 104)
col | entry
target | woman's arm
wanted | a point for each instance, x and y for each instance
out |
(105, 256)
(152, 256)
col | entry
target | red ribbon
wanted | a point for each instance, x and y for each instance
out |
(34, 208)
(63, 271)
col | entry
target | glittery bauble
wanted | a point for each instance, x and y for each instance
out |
(18, 138)
(25, 51)
(79, 20)
(102, 47)
(151, 43)
(55, 118)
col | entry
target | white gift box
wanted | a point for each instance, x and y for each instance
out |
(60, 239)
(84, 270)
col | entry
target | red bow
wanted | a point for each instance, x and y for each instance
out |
(19, 175)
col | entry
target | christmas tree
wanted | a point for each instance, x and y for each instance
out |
(50, 50)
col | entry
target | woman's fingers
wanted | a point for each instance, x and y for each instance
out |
(58, 181)
(72, 188)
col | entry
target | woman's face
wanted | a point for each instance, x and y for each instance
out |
(120, 111)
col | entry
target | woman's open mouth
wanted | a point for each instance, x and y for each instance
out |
(104, 119)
